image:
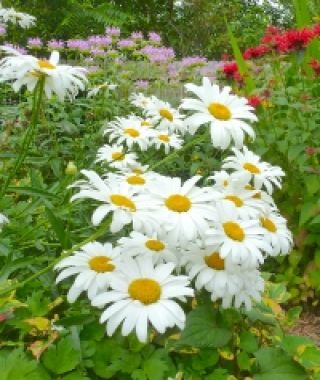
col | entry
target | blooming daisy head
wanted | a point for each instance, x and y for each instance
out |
(141, 101)
(142, 295)
(241, 240)
(26, 70)
(128, 131)
(276, 232)
(165, 116)
(154, 246)
(120, 200)
(104, 86)
(227, 114)
(91, 266)
(24, 20)
(166, 140)
(185, 209)
(136, 180)
(262, 173)
(116, 156)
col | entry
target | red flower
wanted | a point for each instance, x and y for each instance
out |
(310, 150)
(230, 68)
(255, 52)
(254, 101)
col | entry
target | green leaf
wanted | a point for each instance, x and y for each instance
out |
(243, 361)
(276, 364)
(61, 357)
(243, 68)
(202, 329)
(248, 342)
(155, 368)
(75, 376)
(59, 229)
(310, 358)
(15, 365)
(291, 343)
(218, 374)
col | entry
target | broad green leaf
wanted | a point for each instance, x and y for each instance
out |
(61, 357)
(276, 364)
(202, 329)
(15, 365)
(248, 342)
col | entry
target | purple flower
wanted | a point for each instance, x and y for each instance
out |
(55, 44)
(2, 30)
(126, 43)
(100, 40)
(93, 69)
(96, 52)
(20, 49)
(193, 61)
(137, 35)
(142, 84)
(34, 42)
(158, 54)
(154, 37)
(112, 31)
(78, 44)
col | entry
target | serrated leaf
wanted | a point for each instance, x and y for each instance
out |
(202, 329)
(276, 364)
(61, 357)
(248, 342)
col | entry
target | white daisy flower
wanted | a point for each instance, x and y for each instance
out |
(276, 233)
(138, 181)
(241, 240)
(92, 266)
(184, 208)
(165, 116)
(128, 131)
(225, 113)
(250, 287)
(154, 246)
(211, 271)
(237, 192)
(26, 70)
(122, 201)
(24, 20)
(167, 140)
(146, 123)
(140, 100)
(104, 86)
(263, 174)
(116, 156)
(142, 294)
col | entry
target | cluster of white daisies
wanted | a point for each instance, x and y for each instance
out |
(181, 236)
(10, 15)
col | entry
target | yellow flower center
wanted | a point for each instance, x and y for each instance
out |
(44, 64)
(225, 183)
(236, 200)
(136, 180)
(117, 156)
(137, 171)
(214, 261)
(251, 168)
(268, 224)
(145, 123)
(257, 195)
(233, 231)
(164, 138)
(132, 132)
(122, 201)
(219, 111)
(155, 245)
(178, 203)
(166, 114)
(101, 264)
(145, 290)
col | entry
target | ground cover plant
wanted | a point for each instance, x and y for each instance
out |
(143, 239)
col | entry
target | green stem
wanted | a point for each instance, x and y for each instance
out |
(99, 232)
(36, 104)
(176, 153)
